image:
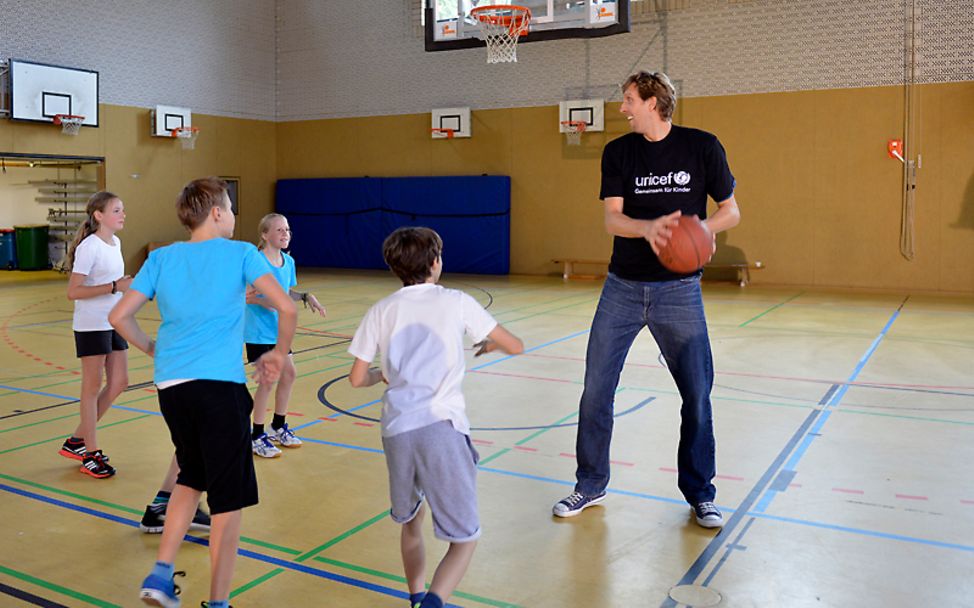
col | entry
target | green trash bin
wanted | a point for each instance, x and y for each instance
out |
(32, 251)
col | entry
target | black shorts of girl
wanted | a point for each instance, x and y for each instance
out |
(254, 351)
(209, 422)
(90, 343)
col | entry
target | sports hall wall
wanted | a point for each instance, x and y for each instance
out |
(216, 62)
(804, 96)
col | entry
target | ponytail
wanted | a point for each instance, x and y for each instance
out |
(97, 202)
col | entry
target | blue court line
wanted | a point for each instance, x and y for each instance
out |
(342, 445)
(340, 578)
(572, 484)
(532, 349)
(807, 433)
(831, 399)
(27, 390)
(872, 533)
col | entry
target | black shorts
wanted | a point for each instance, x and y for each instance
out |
(89, 343)
(254, 351)
(209, 422)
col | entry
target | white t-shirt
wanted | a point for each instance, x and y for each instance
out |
(419, 331)
(101, 263)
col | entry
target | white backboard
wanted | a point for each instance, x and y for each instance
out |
(589, 111)
(167, 118)
(457, 119)
(39, 91)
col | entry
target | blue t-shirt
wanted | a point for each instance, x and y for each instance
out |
(200, 291)
(260, 323)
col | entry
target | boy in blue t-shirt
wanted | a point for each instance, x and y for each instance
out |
(199, 287)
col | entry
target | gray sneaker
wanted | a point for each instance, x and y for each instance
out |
(575, 503)
(284, 436)
(708, 515)
(264, 448)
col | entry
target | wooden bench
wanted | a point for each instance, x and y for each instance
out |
(743, 270)
(568, 268)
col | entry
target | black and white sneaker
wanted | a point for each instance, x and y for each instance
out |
(74, 451)
(575, 503)
(154, 519)
(708, 515)
(96, 464)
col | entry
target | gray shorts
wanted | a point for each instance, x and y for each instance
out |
(437, 463)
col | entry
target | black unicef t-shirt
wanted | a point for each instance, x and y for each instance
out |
(656, 178)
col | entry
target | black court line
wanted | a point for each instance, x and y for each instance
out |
(324, 401)
(695, 569)
(131, 387)
(742, 511)
(29, 598)
(141, 385)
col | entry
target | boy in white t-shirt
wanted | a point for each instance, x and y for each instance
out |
(425, 432)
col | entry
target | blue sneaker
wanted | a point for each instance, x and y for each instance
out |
(157, 591)
(575, 503)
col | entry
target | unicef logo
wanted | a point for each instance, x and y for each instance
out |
(682, 178)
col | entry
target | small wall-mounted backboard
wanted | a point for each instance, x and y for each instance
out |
(167, 118)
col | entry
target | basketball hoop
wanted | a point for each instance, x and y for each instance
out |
(443, 133)
(70, 123)
(573, 131)
(501, 27)
(186, 136)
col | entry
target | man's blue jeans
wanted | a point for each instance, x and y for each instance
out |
(673, 311)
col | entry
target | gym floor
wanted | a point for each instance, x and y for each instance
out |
(844, 421)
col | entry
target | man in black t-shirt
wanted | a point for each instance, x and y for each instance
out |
(649, 178)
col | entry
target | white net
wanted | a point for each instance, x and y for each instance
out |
(573, 132)
(501, 27)
(70, 125)
(187, 136)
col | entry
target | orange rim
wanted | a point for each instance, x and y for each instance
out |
(449, 132)
(60, 117)
(518, 18)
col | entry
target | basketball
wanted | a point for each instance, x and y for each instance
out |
(690, 246)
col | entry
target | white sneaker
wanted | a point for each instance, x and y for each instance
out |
(285, 437)
(264, 448)
(575, 503)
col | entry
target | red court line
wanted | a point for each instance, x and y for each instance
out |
(776, 377)
(668, 470)
(730, 477)
(329, 334)
(475, 371)
(482, 442)
(525, 448)
(623, 463)
(567, 455)
(329, 419)
(964, 501)
(848, 491)
(365, 424)
(910, 497)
